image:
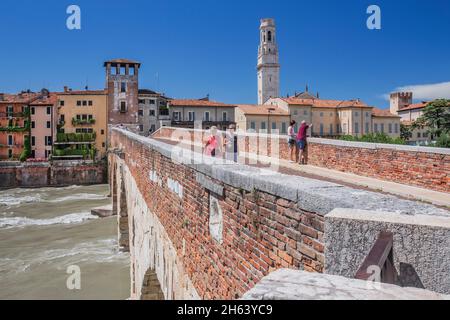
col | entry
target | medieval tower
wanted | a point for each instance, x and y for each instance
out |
(399, 100)
(122, 83)
(268, 67)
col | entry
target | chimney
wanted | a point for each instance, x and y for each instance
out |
(318, 96)
(66, 89)
(2, 96)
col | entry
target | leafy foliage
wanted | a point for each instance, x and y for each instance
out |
(405, 132)
(75, 137)
(26, 153)
(436, 117)
(374, 138)
(443, 141)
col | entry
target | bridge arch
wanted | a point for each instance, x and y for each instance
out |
(151, 289)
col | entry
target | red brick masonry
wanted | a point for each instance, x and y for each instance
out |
(417, 166)
(261, 232)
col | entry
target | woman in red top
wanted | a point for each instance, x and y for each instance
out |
(212, 143)
(302, 142)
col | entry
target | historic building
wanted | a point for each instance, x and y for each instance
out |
(186, 112)
(122, 85)
(43, 131)
(262, 118)
(81, 124)
(153, 111)
(337, 117)
(401, 103)
(15, 124)
(268, 66)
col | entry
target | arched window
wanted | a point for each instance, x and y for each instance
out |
(269, 36)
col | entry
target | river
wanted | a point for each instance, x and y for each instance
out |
(45, 231)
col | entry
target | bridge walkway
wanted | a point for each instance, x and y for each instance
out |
(437, 198)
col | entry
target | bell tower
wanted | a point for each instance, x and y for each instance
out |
(268, 67)
(122, 85)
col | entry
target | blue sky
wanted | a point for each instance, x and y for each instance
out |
(210, 46)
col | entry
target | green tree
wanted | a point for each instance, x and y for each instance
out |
(436, 116)
(405, 132)
(443, 141)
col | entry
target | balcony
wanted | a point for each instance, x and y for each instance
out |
(82, 122)
(15, 145)
(75, 138)
(14, 129)
(190, 124)
(10, 115)
(164, 117)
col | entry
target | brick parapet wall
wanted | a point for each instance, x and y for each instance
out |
(262, 231)
(418, 166)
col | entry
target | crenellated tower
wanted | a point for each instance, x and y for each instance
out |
(399, 100)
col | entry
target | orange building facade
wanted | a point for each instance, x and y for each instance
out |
(15, 124)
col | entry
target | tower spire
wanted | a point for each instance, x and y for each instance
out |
(268, 67)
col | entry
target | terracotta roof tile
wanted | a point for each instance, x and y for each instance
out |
(46, 101)
(383, 113)
(414, 106)
(252, 109)
(323, 103)
(19, 98)
(83, 92)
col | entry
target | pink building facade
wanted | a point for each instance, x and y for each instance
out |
(43, 115)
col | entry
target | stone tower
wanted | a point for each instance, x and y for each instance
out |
(268, 67)
(122, 83)
(399, 100)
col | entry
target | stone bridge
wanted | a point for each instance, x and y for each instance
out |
(199, 228)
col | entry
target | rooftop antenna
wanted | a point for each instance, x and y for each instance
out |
(157, 81)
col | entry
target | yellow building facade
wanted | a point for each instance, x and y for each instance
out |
(81, 124)
(332, 118)
(261, 118)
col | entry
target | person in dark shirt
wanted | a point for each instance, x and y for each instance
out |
(231, 144)
(302, 142)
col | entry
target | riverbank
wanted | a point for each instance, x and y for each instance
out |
(56, 174)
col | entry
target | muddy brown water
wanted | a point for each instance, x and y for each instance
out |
(45, 231)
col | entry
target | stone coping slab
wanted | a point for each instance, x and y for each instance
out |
(286, 284)
(392, 217)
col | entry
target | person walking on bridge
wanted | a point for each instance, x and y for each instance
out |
(212, 143)
(302, 142)
(292, 141)
(231, 144)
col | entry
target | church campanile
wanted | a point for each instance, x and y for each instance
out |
(268, 67)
